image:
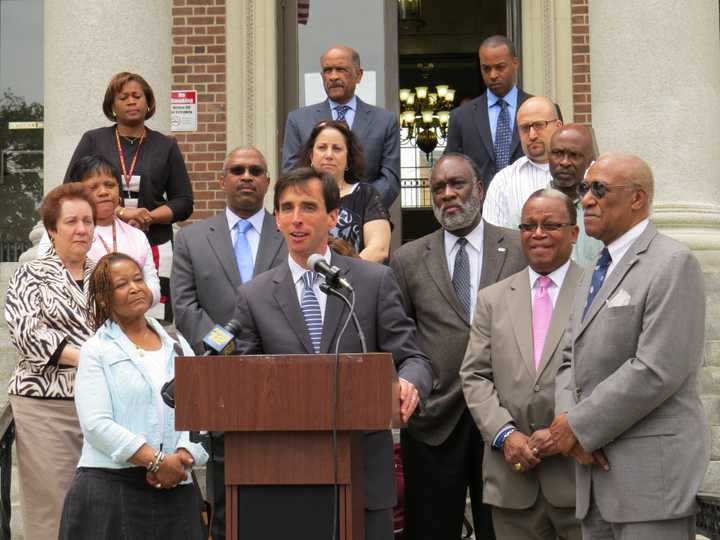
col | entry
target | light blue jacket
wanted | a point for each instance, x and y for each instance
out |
(117, 404)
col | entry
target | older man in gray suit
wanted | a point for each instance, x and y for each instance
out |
(439, 276)
(378, 130)
(211, 259)
(508, 377)
(627, 390)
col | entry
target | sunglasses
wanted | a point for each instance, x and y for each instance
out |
(547, 227)
(239, 170)
(600, 189)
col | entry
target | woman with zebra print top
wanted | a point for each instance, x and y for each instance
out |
(46, 313)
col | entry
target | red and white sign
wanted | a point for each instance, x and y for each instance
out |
(183, 110)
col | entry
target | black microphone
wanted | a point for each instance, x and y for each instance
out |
(332, 273)
(218, 341)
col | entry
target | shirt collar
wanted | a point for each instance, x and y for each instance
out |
(352, 104)
(256, 220)
(557, 276)
(619, 247)
(297, 271)
(510, 98)
(524, 161)
(474, 238)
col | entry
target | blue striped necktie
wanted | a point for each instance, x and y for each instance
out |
(243, 253)
(310, 308)
(341, 111)
(503, 136)
(598, 278)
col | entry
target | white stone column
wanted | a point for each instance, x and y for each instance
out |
(86, 43)
(655, 70)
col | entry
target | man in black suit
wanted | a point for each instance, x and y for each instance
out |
(442, 448)
(485, 128)
(283, 311)
(377, 130)
(209, 265)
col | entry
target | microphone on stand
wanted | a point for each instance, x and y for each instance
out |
(218, 341)
(331, 273)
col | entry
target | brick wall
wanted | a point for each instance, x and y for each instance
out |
(198, 63)
(581, 61)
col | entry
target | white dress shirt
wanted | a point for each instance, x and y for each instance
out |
(510, 189)
(297, 272)
(557, 277)
(620, 246)
(474, 249)
(252, 234)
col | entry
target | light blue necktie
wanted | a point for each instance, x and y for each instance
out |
(503, 137)
(341, 111)
(243, 253)
(310, 308)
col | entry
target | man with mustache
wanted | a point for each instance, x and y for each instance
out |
(571, 153)
(509, 372)
(484, 128)
(537, 121)
(212, 259)
(377, 129)
(439, 276)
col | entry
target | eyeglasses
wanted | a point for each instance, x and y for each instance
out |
(547, 227)
(600, 189)
(538, 126)
(239, 170)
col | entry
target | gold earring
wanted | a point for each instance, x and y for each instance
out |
(114, 114)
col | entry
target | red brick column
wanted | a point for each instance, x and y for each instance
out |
(581, 61)
(198, 63)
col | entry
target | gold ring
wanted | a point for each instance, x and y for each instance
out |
(518, 467)
(158, 486)
(535, 451)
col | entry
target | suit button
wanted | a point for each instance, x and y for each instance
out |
(536, 388)
(532, 426)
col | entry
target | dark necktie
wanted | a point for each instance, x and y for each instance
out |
(310, 308)
(341, 111)
(503, 136)
(461, 275)
(598, 278)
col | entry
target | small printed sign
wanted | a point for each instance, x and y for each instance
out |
(25, 125)
(183, 110)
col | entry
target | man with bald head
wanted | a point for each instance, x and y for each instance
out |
(627, 391)
(537, 120)
(377, 130)
(571, 153)
(212, 259)
(484, 129)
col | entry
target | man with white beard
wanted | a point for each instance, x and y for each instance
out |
(439, 276)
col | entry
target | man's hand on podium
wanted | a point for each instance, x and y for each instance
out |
(409, 399)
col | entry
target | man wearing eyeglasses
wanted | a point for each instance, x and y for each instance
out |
(571, 153)
(508, 377)
(212, 259)
(439, 276)
(537, 121)
(627, 390)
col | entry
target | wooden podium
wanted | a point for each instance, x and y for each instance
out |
(276, 412)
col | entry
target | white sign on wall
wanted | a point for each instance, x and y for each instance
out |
(315, 92)
(183, 110)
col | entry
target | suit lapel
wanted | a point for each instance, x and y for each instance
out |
(494, 254)
(221, 243)
(519, 304)
(335, 310)
(617, 275)
(270, 242)
(285, 295)
(436, 263)
(361, 122)
(561, 314)
(322, 112)
(482, 123)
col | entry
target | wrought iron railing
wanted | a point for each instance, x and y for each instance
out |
(11, 249)
(415, 193)
(708, 519)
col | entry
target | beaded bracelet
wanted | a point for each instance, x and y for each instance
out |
(154, 465)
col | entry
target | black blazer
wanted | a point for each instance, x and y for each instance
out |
(163, 175)
(469, 133)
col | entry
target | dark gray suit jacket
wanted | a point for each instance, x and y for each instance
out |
(443, 327)
(205, 276)
(469, 133)
(629, 381)
(377, 130)
(272, 323)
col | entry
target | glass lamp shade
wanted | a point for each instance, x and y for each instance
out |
(410, 99)
(427, 116)
(444, 117)
(404, 93)
(421, 92)
(408, 117)
(450, 95)
(432, 98)
(441, 90)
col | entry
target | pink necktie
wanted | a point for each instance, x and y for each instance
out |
(541, 314)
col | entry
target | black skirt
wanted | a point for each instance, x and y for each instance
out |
(118, 504)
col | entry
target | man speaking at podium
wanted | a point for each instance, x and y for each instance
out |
(283, 311)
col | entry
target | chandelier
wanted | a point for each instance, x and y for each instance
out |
(425, 115)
